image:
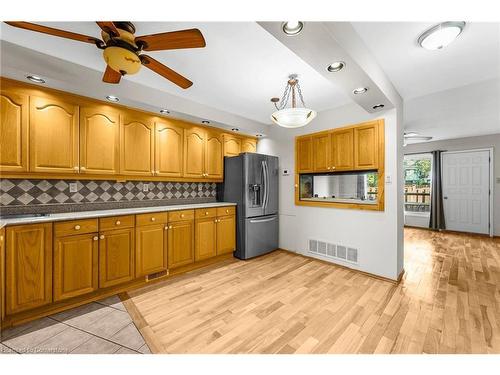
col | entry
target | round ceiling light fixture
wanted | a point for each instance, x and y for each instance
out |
(360, 90)
(336, 66)
(292, 27)
(34, 78)
(164, 111)
(440, 35)
(293, 116)
(112, 98)
(378, 106)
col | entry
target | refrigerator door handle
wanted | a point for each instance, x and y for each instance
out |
(263, 220)
(264, 175)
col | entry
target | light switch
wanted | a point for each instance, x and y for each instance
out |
(285, 172)
(73, 187)
(388, 179)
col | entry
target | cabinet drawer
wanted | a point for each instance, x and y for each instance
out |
(224, 211)
(205, 212)
(181, 215)
(67, 228)
(116, 222)
(153, 218)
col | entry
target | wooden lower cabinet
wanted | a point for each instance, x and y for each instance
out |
(116, 257)
(28, 267)
(205, 238)
(150, 249)
(226, 234)
(75, 265)
(180, 243)
(2, 273)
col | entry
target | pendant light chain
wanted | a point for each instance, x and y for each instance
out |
(286, 95)
(300, 94)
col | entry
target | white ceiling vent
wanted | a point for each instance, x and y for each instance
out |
(334, 251)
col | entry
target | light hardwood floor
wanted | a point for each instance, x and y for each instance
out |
(447, 302)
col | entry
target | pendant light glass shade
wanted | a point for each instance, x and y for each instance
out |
(293, 117)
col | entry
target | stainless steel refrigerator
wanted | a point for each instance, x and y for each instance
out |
(251, 181)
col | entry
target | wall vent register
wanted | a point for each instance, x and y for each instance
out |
(334, 251)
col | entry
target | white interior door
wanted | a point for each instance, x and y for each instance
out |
(466, 186)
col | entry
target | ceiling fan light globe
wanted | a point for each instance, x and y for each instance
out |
(293, 117)
(122, 60)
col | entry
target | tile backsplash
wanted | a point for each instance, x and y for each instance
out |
(27, 192)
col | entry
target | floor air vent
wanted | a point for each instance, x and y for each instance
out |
(330, 250)
(156, 275)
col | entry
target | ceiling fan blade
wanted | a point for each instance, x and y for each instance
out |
(191, 38)
(54, 32)
(166, 72)
(108, 27)
(111, 76)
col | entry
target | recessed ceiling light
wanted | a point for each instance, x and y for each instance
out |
(205, 122)
(439, 36)
(378, 106)
(164, 111)
(235, 129)
(411, 134)
(336, 66)
(112, 98)
(360, 90)
(259, 135)
(417, 138)
(35, 79)
(292, 27)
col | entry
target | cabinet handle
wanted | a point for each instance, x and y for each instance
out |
(153, 219)
(166, 227)
(329, 168)
(333, 167)
(76, 168)
(83, 168)
(206, 213)
(170, 227)
(118, 222)
(101, 236)
(77, 227)
(95, 238)
(227, 211)
(182, 215)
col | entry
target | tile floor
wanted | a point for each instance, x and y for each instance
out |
(102, 327)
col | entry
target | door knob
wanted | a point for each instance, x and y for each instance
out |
(77, 227)
(153, 219)
(166, 227)
(101, 236)
(95, 238)
(118, 222)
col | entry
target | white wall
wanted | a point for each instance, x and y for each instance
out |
(470, 143)
(377, 235)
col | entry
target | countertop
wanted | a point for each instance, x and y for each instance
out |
(104, 213)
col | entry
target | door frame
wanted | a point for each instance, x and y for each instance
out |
(491, 175)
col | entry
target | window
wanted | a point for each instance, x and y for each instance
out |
(417, 173)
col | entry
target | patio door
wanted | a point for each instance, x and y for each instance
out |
(466, 190)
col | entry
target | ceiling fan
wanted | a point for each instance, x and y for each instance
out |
(123, 51)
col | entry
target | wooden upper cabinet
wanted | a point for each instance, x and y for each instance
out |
(249, 145)
(13, 131)
(99, 140)
(169, 144)
(28, 267)
(321, 152)
(303, 152)
(342, 150)
(75, 265)
(194, 152)
(53, 135)
(214, 156)
(136, 144)
(232, 145)
(366, 146)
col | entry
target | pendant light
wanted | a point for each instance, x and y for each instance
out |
(292, 117)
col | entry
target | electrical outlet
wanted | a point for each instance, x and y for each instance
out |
(200, 187)
(498, 180)
(73, 187)
(388, 179)
(286, 172)
(145, 188)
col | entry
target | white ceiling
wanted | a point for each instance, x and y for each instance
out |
(239, 70)
(473, 57)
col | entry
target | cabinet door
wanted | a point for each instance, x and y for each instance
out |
(194, 152)
(150, 249)
(116, 257)
(2, 273)
(180, 243)
(342, 150)
(28, 267)
(214, 156)
(304, 162)
(53, 136)
(99, 140)
(13, 132)
(232, 145)
(249, 145)
(366, 146)
(226, 234)
(169, 142)
(75, 266)
(205, 238)
(136, 144)
(321, 152)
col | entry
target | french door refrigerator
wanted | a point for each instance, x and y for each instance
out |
(251, 181)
